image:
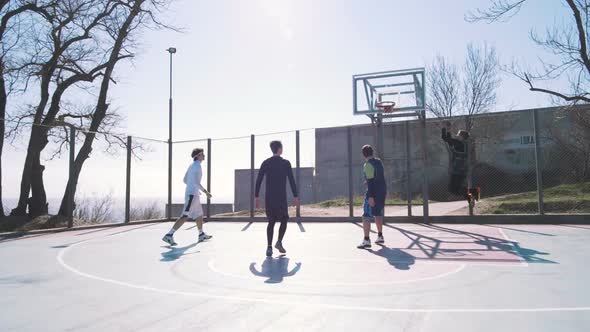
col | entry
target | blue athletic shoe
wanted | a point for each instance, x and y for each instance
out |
(268, 251)
(280, 247)
(169, 239)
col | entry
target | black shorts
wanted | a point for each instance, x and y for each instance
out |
(376, 211)
(280, 214)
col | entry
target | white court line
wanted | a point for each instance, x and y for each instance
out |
(523, 260)
(61, 261)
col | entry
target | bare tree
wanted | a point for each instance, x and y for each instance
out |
(12, 27)
(131, 17)
(566, 45)
(71, 54)
(467, 91)
(443, 88)
(480, 81)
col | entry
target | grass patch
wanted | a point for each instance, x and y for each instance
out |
(360, 200)
(565, 198)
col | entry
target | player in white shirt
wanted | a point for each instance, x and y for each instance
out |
(192, 211)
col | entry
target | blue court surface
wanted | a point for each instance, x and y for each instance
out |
(425, 278)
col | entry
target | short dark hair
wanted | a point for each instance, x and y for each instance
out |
(275, 146)
(196, 152)
(367, 151)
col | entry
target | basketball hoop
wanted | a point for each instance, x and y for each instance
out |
(385, 106)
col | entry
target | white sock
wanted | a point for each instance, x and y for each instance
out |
(201, 231)
(171, 231)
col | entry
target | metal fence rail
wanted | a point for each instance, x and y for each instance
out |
(526, 162)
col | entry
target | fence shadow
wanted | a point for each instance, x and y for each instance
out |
(461, 245)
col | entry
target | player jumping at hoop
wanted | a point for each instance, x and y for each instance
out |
(459, 160)
(277, 170)
(192, 210)
(375, 198)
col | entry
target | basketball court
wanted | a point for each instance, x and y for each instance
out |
(425, 278)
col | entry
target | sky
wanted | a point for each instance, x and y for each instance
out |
(262, 66)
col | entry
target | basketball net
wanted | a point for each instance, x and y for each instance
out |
(385, 106)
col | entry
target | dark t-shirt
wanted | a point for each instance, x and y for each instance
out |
(458, 150)
(277, 170)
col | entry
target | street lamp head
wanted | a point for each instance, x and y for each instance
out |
(171, 50)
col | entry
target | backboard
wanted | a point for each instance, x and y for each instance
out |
(403, 87)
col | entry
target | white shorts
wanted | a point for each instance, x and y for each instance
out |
(192, 209)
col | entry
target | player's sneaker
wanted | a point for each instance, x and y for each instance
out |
(280, 247)
(268, 251)
(366, 244)
(169, 239)
(203, 236)
(380, 240)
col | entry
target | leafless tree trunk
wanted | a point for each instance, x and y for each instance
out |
(68, 53)
(9, 12)
(120, 35)
(443, 88)
(480, 81)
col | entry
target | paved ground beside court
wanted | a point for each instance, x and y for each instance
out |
(425, 278)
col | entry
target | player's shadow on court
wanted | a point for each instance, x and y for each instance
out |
(176, 252)
(395, 257)
(275, 269)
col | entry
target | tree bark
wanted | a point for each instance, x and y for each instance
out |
(33, 170)
(3, 97)
(101, 105)
(32, 160)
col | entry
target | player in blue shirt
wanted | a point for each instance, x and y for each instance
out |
(374, 207)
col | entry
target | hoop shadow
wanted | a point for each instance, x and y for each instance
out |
(395, 257)
(275, 269)
(433, 248)
(176, 252)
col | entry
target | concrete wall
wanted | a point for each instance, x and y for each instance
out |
(503, 155)
(242, 188)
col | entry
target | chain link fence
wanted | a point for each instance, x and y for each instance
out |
(524, 162)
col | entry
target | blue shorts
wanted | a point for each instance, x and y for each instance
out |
(375, 211)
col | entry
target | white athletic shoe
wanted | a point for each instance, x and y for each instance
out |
(366, 244)
(380, 240)
(203, 236)
(169, 239)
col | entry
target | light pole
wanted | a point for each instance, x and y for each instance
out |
(170, 50)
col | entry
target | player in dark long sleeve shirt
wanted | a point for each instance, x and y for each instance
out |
(277, 171)
(459, 163)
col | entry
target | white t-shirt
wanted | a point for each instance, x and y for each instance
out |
(192, 179)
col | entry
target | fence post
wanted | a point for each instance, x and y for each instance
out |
(169, 209)
(252, 193)
(298, 172)
(425, 169)
(128, 181)
(408, 169)
(469, 147)
(209, 177)
(350, 181)
(538, 162)
(71, 175)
